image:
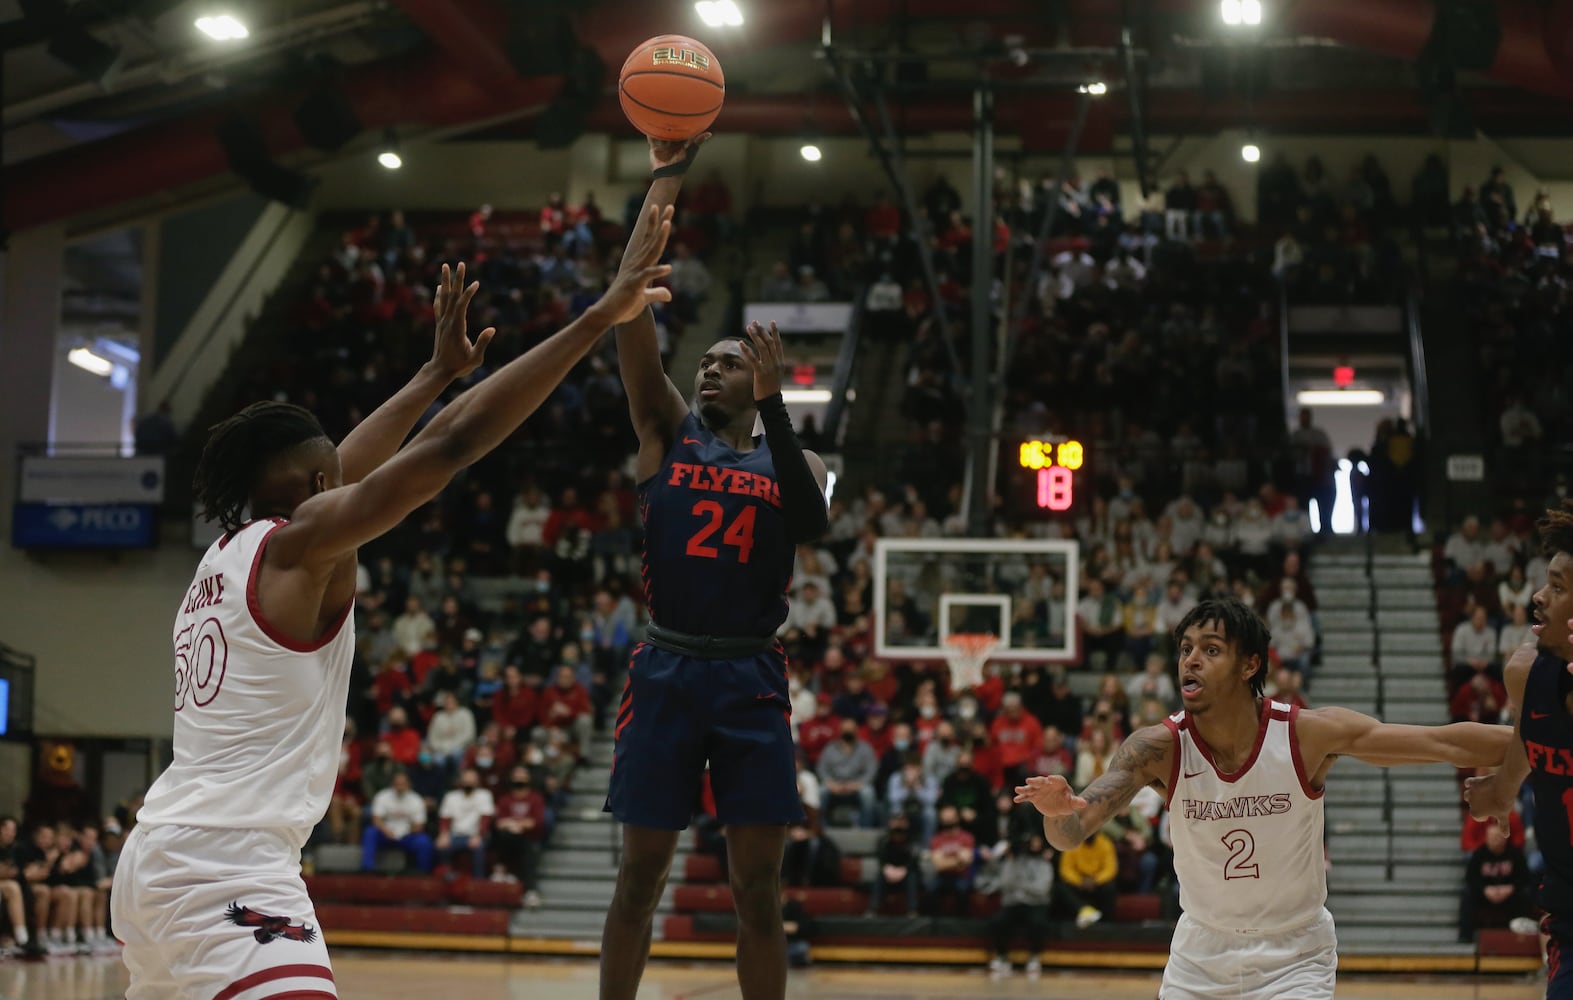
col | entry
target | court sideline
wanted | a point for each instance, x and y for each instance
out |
(395, 976)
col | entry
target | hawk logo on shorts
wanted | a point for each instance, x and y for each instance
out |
(269, 928)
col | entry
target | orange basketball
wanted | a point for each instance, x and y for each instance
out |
(671, 87)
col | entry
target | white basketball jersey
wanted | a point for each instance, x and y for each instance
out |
(259, 717)
(1247, 845)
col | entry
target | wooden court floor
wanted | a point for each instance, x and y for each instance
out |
(365, 975)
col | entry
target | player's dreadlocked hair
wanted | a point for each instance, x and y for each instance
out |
(1239, 624)
(237, 451)
(1556, 530)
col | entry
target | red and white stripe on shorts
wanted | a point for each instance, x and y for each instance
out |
(315, 981)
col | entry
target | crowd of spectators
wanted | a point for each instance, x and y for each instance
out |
(55, 879)
(1486, 577)
(1335, 242)
(1515, 272)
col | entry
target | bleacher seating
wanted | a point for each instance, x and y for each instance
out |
(424, 904)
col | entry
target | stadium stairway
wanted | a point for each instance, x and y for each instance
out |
(1392, 835)
(579, 867)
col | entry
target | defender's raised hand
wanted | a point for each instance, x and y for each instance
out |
(630, 293)
(763, 349)
(452, 353)
(1051, 795)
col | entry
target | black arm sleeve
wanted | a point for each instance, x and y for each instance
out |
(802, 502)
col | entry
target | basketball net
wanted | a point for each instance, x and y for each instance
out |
(967, 652)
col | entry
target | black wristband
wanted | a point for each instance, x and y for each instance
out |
(680, 167)
(802, 501)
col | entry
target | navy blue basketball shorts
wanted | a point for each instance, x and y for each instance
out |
(1559, 957)
(679, 712)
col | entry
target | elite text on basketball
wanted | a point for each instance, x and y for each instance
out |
(679, 56)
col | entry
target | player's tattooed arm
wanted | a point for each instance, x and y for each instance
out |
(1145, 758)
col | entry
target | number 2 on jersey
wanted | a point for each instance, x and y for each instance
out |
(1244, 847)
(739, 534)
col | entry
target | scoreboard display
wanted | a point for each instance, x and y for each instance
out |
(1055, 463)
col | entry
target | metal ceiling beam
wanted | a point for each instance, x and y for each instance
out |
(265, 41)
(1536, 44)
(471, 33)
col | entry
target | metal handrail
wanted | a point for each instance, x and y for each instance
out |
(1417, 360)
(846, 360)
(1388, 800)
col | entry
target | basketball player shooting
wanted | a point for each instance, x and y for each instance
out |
(724, 511)
(1244, 779)
(208, 896)
(1540, 691)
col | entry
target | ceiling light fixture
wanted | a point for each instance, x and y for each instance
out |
(1241, 13)
(719, 13)
(89, 362)
(388, 155)
(222, 27)
(805, 395)
(1340, 397)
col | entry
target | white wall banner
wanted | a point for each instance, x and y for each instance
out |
(800, 317)
(57, 479)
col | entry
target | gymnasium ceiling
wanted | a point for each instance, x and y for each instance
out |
(441, 69)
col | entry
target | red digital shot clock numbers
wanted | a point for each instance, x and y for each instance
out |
(1055, 463)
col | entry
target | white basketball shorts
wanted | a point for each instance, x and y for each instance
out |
(211, 914)
(1206, 963)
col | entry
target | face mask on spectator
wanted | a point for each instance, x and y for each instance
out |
(521, 784)
(902, 744)
(424, 758)
(849, 735)
(468, 789)
(929, 711)
(483, 760)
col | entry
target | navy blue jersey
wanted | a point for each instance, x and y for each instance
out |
(717, 560)
(1547, 729)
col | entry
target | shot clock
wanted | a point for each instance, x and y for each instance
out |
(1055, 464)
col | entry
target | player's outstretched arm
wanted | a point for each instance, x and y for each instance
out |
(337, 521)
(1341, 732)
(375, 439)
(1494, 794)
(1146, 757)
(656, 405)
(800, 474)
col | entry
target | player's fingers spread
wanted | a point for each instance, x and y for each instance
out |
(1078, 802)
(484, 339)
(659, 294)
